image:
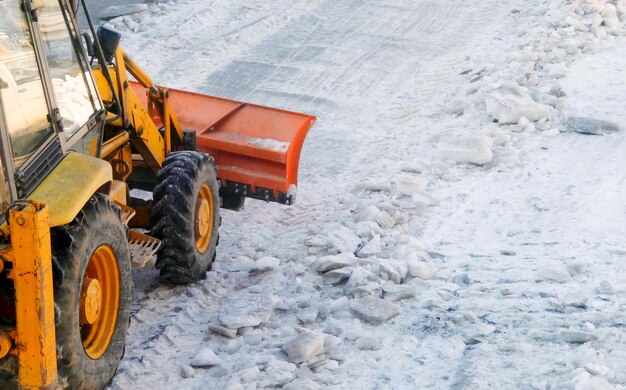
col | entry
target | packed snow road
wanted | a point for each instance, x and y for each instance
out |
(501, 273)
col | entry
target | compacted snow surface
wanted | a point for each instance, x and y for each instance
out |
(460, 220)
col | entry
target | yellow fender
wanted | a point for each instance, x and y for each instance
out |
(70, 185)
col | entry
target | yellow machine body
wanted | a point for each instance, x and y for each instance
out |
(33, 340)
(70, 185)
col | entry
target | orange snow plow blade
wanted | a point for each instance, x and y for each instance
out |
(257, 149)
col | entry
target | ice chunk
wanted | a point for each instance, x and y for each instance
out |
(370, 213)
(499, 137)
(368, 229)
(576, 24)
(473, 150)
(380, 185)
(339, 304)
(308, 315)
(606, 288)
(362, 282)
(186, 371)
(571, 43)
(316, 241)
(265, 264)
(505, 155)
(222, 331)
(422, 270)
(397, 292)
(249, 374)
(337, 276)
(597, 369)
(577, 268)
(524, 123)
(279, 371)
(254, 337)
(611, 20)
(556, 71)
(372, 248)
(408, 184)
(331, 365)
(360, 275)
(401, 217)
(330, 342)
(385, 220)
(131, 24)
(246, 310)
(555, 274)
(575, 337)
(115, 11)
(369, 343)
(329, 263)
(591, 126)
(304, 347)
(205, 357)
(509, 103)
(395, 269)
(374, 310)
(600, 32)
(344, 240)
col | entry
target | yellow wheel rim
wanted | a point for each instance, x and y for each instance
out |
(203, 218)
(100, 301)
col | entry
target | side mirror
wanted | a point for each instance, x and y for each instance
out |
(3, 84)
(109, 40)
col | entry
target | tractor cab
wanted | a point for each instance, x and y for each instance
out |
(49, 101)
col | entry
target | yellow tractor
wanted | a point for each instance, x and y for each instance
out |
(81, 127)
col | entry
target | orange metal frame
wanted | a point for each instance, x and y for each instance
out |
(252, 145)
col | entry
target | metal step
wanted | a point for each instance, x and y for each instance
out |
(127, 212)
(142, 247)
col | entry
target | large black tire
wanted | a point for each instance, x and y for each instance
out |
(97, 226)
(173, 216)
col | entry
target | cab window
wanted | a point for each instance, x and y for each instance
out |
(23, 100)
(72, 82)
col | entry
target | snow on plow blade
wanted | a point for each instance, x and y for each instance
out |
(257, 149)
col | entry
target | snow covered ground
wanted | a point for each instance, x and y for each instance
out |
(470, 153)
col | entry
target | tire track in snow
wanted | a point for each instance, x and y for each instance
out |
(203, 36)
(528, 311)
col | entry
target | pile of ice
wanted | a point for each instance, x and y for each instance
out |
(359, 272)
(523, 96)
(509, 103)
(374, 259)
